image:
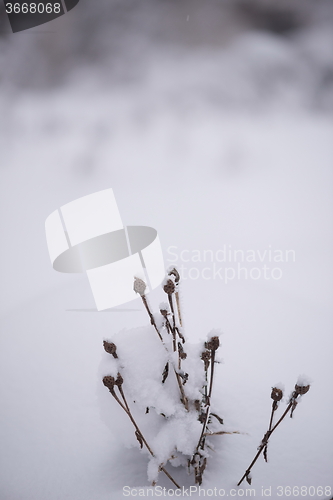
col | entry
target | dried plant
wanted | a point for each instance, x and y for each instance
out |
(199, 460)
(276, 395)
(169, 287)
(194, 404)
(110, 383)
(169, 331)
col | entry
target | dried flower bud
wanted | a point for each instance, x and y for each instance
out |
(109, 382)
(139, 286)
(302, 389)
(213, 344)
(169, 287)
(176, 274)
(277, 394)
(164, 312)
(110, 348)
(119, 381)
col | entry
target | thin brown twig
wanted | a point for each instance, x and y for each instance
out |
(173, 333)
(198, 460)
(178, 308)
(178, 378)
(128, 411)
(174, 330)
(152, 319)
(274, 408)
(201, 439)
(175, 273)
(266, 437)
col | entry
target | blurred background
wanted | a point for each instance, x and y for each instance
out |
(282, 49)
(212, 122)
(141, 90)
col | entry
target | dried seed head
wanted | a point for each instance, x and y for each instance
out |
(109, 382)
(302, 389)
(176, 274)
(277, 394)
(119, 381)
(169, 287)
(213, 344)
(164, 312)
(139, 286)
(110, 348)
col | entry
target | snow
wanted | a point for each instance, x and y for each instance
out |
(280, 386)
(164, 306)
(171, 431)
(215, 163)
(304, 380)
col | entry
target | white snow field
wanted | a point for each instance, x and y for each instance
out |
(217, 158)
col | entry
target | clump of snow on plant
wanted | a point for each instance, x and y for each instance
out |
(303, 380)
(165, 306)
(171, 431)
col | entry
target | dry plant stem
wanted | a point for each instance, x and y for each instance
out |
(201, 441)
(178, 308)
(172, 310)
(211, 376)
(180, 385)
(177, 279)
(128, 411)
(152, 320)
(173, 323)
(274, 408)
(183, 398)
(206, 377)
(294, 396)
(266, 437)
(173, 333)
(174, 330)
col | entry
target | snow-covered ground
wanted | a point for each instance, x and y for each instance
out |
(217, 151)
